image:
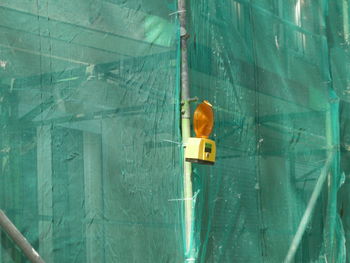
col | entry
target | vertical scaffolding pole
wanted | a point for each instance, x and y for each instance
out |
(332, 241)
(332, 135)
(45, 192)
(186, 133)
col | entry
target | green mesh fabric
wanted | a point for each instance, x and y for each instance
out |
(91, 158)
(274, 71)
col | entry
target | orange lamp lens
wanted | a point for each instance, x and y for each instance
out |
(203, 120)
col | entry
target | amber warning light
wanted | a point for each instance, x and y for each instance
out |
(203, 120)
(201, 149)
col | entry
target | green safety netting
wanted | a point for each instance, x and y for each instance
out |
(90, 146)
(90, 158)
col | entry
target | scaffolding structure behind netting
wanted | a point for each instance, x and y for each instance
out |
(95, 111)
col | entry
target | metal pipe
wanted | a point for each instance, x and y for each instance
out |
(309, 209)
(19, 239)
(186, 131)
